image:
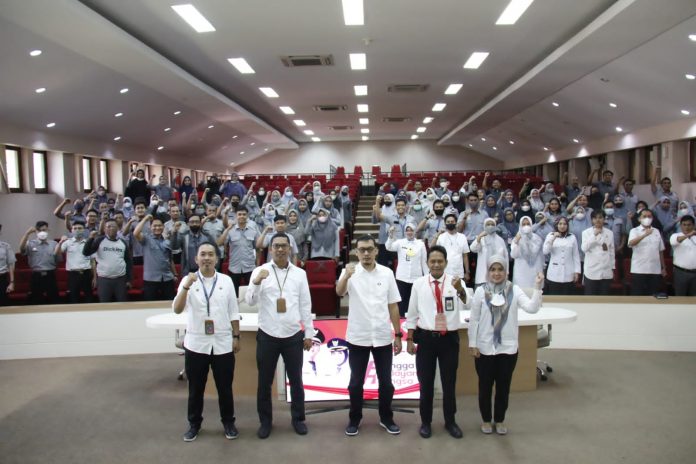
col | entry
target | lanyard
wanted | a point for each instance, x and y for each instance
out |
(205, 292)
(281, 287)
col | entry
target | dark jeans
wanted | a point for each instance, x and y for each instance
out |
(155, 291)
(684, 282)
(110, 290)
(80, 281)
(405, 292)
(238, 278)
(434, 348)
(597, 287)
(645, 284)
(358, 357)
(44, 288)
(268, 349)
(561, 288)
(197, 365)
(496, 370)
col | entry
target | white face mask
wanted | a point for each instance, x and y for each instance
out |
(526, 207)
(323, 218)
(580, 216)
(431, 196)
(646, 221)
(288, 194)
(526, 230)
(609, 211)
(490, 229)
(317, 188)
(262, 192)
(42, 235)
(682, 212)
(455, 198)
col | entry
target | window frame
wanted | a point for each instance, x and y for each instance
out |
(44, 156)
(104, 179)
(18, 152)
(86, 175)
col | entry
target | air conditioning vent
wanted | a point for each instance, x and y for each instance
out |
(330, 108)
(340, 128)
(395, 119)
(293, 61)
(408, 88)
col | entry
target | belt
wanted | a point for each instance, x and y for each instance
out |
(44, 273)
(693, 271)
(80, 271)
(435, 333)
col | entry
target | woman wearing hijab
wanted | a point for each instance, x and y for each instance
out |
(487, 244)
(493, 337)
(418, 212)
(323, 234)
(288, 199)
(526, 251)
(683, 209)
(297, 230)
(535, 201)
(548, 193)
(665, 214)
(185, 189)
(525, 209)
(564, 259)
(346, 204)
(554, 210)
(509, 226)
(327, 203)
(449, 209)
(507, 200)
(304, 212)
(595, 199)
(579, 222)
(412, 257)
(269, 214)
(492, 209)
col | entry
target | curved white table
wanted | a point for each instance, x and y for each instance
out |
(249, 322)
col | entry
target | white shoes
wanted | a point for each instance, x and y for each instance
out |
(500, 429)
(487, 428)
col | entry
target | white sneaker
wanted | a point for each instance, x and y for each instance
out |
(487, 428)
(500, 429)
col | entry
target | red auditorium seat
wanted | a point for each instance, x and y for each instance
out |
(135, 293)
(321, 276)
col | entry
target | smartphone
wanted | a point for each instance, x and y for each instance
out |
(661, 296)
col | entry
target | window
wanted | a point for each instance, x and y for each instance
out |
(14, 170)
(651, 161)
(104, 174)
(86, 175)
(40, 173)
(692, 160)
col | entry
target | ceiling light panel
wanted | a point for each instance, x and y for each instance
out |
(512, 12)
(241, 65)
(360, 90)
(364, 120)
(193, 17)
(287, 110)
(299, 122)
(427, 120)
(316, 139)
(353, 12)
(453, 89)
(439, 106)
(309, 132)
(269, 92)
(35, 52)
(476, 60)
(421, 129)
(365, 138)
(358, 61)
(414, 137)
(364, 130)
(363, 108)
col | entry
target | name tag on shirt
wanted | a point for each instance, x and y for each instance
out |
(209, 327)
(280, 305)
(449, 303)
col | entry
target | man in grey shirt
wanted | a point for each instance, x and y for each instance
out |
(263, 242)
(175, 218)
(212, 225)
(189, 242)
(163, 191)
(158, 273)
(241, 239)
(471, 221)
(113, 263)
(43, 261)
(7, 271)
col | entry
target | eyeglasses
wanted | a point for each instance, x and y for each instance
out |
(366, 250)
(280, 246)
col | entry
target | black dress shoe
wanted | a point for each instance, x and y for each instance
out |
(191, 433)
(454, 430)
(425, 431)
(231, 431)
(300, 427)
(264, 431)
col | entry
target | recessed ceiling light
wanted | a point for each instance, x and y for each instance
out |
(211, 126)
(427, 120)
(475, 60)
(358, 61)
(495, 148)
(360, 90)
(51, 124)
(160, 148)
(439, 106)
(363, 108)
(576, 141)
(124, 90)
(619, 129)
(470, 145)
(252, 144)
(193, 17)
(235, 136)
(40, 90)
(265, 149)
(692, 37)
(364, 130)
(613, 105)
(299, 122)
(555, 104)
(512, 142)
(483, 139)
(177, 113)
(353, 12)
(316, 139)
(513, 11)
(365, 138)
(691, 77)
(414, 137)
(452, 89)
(269, 92)
(287, 110)
(545, 148)
(167, 129)
(685, 112)
(118, 115)
(420, 130)
(241, 152)
(116, 139)
(309, 132)
(241, 65)
(364, 120)
(35, 52)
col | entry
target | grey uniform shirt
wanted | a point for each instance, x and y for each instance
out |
(242, 243)
(7, 257)
(474, 223)
(215, 229)
(40, 254)
(293, 245)
(157, 253)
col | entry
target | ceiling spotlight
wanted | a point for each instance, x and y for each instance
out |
(40, 90)
(124, 90)
(414, 137)
(483, 139)
(118, 115)
(495, 148)
(545, 148)
(160, 148)
(619, 129)
(241, 152)
(471, 145)
(167, 129)
(613, 105)
(51, 124)
(235, 136)
(35, 52)
(692, 37)
(512, 142)
(211, 126)
(177, 113)
(576, 141)
(555, 104)
(685, 112)
(116, 139)
(691, 77)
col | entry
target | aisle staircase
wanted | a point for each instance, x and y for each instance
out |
(363, 222)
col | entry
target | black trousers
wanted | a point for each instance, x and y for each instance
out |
(496, 369)
(197, 365)
(684, 283)
(155, 291)
(386, 257)
(405, 292)
(112, 289)
(268, 350)
(561, 288)
(238, 278)
(80, 281)
(358, 358)
(645, 284)
(4, 283)
(597, 287)
(434, 349)
(44, 288)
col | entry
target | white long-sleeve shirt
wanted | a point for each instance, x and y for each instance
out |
(684, 252)
(564, 258)
(524, 273)
(646, 253)
(422, 307)
(599, 263)
(490, 245)
(412, 258)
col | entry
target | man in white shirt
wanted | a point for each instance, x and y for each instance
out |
(647, 261)
(372, 314)
(684, 247)
(212, 338)
(457, 248)
(285, 328)
(433, 321)
(598, 246)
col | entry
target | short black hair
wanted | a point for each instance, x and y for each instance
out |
(279, 235)
(92, 211)
(279, 217)
(440, 202)
(608, 172)
(139, 201)
(78, 223)
(366, 238)
(686, 218)
(598, 213)
(242, 209)
(400, 200)
(40, 224)
(451, 215)
(215, 248)
(439, 249)
(472, 194)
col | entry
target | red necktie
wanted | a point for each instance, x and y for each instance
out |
(438, 302)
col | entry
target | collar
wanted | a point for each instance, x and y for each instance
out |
(431, 279)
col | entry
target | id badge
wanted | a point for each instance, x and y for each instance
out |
(440, 322)
(449, 303)
(280, 305)
(209, 327)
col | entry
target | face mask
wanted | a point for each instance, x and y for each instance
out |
(252, 201)
(162, 209)
(443, 185)
(430, 196)
(344, 193)
(387, 203)
(450, 226)
(417, 207)
(446, 202)
(455, 198)
(126, 204)
(333, 196)
(526, 207)
(275, 198)
(317, 188)
(549, 190)
(288, 194)
(439, 212)
(270, 214)
(609, 211)
(262, 192)
(618, 204)
(682, 212)
(79, 235)
(646, 221)
(580, 216)
(101, 193)
(473, 206)
(489, 229)
(195, 229)
(323, 219)
(199, 212)
(526, 230)
(42, 235)
(234, 203)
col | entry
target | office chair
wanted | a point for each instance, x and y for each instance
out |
(179, 343)
(543, 340)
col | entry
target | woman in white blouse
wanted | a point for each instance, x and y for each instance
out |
(493, 337)
(412, 257)
(564, 260)
(598, 246)
(487, 244)
(526, 251)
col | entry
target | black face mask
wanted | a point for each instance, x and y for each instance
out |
(195, 229)
(234, 203)
(439, 212)
(450, 226)
(344, 193)
(388, 203)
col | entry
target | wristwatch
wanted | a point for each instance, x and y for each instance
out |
(398, 335)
